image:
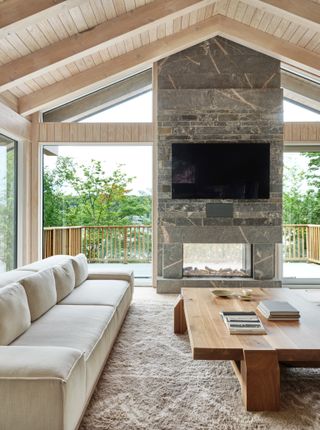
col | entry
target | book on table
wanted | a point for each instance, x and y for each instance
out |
(278, 310)
(242, 322)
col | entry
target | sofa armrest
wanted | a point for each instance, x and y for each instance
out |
(41, 387)
(111, 275)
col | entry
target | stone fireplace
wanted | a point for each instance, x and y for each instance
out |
(215, 92)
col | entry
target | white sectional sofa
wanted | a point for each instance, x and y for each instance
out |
(58, 322)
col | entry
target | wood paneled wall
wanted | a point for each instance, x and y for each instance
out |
(83, 133)
(302, 132)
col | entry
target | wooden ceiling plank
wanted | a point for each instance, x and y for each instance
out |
(303, 12)
(88, 42)
(58, 27)
(248, 15)
(222, 7)
(282, 28)
(122, 66)
(109, 9)
(88, 15)
(78, 19)
(16, 15)
(98, 11)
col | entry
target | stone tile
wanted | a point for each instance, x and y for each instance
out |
(263, 261)
(172, 260)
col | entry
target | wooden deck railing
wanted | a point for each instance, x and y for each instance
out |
(301, 242)
(132, 243)
(104, 244)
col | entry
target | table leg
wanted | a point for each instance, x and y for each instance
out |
(180, 325)
(259, 376)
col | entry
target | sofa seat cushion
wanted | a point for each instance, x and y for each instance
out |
(12, 277)
(15, 316)
(78, 327)
(97, 292)
(46, 263)
(41, 387)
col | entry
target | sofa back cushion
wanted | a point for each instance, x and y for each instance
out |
(12, 277)
(80, 266)
(64, 279)
(14, 313)
(41, 292)
(46, 263)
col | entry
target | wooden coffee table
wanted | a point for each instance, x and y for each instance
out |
(256, 359)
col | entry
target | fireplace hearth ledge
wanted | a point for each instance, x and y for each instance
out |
(173, 286)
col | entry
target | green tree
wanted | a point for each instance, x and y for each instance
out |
(7, 212)
(301, 194)
(85, 195)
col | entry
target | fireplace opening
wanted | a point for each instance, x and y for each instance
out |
(223, 260)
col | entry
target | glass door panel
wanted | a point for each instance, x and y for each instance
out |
(8, 206)
(301, 217)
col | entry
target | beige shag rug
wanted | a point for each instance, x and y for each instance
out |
(151, 383)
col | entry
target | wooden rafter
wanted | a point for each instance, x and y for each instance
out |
(100, 37)
(270, 45)
(18, 14)
(14, 125)
(109, 72)
(301, 90)
(303, 12)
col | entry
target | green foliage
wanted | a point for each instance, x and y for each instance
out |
(7, 212)
(85, 195)
(301, 196)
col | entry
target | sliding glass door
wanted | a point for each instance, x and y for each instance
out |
(8, 204)
(301, 213)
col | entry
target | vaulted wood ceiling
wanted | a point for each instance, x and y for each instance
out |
(53, 51)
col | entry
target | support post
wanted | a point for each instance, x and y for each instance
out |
(180, 325)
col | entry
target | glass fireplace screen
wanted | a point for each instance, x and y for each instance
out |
(217, 260)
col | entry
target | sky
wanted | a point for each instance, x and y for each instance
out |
(137, 160)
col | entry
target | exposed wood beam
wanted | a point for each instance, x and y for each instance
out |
(269, 45)
(115, 69)
(100, 37)
(118, 68)
(303, 12)
(102, 99)
(301, 90)
(14, 125)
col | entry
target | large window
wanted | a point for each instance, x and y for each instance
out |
(301, 217)
(8, 199)
(136, 109)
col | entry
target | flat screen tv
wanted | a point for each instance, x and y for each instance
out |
(220, 170)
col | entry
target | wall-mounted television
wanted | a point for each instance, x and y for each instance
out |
(220, 170)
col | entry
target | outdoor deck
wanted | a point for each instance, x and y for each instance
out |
(130, 247)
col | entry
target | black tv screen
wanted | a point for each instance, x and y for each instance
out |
(220, 170)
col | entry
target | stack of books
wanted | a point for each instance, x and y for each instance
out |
(278, 311)
(242, 322)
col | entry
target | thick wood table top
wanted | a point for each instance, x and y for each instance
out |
(295, 341)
